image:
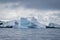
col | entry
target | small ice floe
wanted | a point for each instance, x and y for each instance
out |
(53, 25)
(4, 24)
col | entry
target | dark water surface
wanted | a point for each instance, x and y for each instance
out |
(29, 34)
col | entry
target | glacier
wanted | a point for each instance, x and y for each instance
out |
(27, 22)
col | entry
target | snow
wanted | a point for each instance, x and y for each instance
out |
(54, 25)
(26, 22)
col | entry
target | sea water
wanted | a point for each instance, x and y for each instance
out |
(29, 34)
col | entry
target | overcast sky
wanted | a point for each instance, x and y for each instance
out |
(47, 10)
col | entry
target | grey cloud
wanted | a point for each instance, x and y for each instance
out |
(43, 4)
(37, 4)
(7, 1)
(57, 15)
